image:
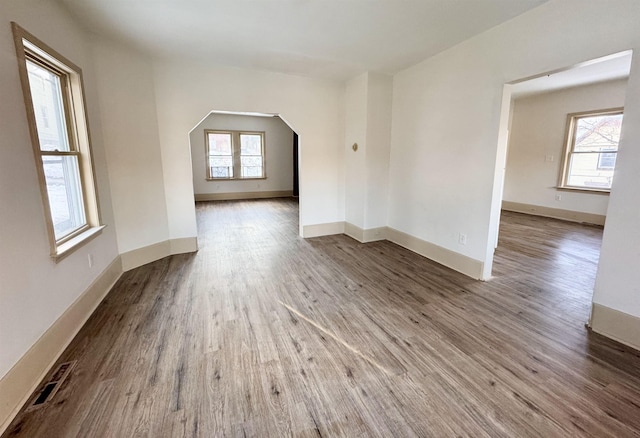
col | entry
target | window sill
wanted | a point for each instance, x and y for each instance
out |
(71, 245)
(235, 179)
(585, 190)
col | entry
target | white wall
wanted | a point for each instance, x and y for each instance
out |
(356, 92)
(367, 123)
(447, 110)
(34, 290)
(313, 108)
(538, 130)
(618, 280)
(128, 111)
(278, 146)
(379, 94)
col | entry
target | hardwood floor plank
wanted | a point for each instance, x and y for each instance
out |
(262, 333)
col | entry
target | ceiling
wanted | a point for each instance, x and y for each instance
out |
(607, 68)
(319, 38)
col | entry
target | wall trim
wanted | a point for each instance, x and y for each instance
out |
(150, 253)
(556, 213)
(328, 229)
(183, 245)
(354, 231)
(18, 385)
(375, 234)
(616, 325)
(456, 261)
(147, 254)
(243, 195)
(365, 235)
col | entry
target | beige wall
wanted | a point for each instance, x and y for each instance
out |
(537, 131)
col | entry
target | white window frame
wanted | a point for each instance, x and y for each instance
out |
(235, 152)
(569, 145)
(28, 47)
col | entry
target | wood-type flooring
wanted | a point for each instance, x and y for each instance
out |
(264, 334)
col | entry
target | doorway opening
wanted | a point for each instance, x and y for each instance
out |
(536, 138)
(244, 156)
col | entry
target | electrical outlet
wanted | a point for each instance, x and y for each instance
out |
(90, 259)
(462, 239)
(558, 197)
(548, 158)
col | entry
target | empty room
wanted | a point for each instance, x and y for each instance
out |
(319, 218)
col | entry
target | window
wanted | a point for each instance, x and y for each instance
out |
(591, 150)
(220, 155)
(52, 89)
(234, 155)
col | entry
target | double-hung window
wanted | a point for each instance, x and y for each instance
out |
(591, 150)
(56, 114)
(220, 155)
(235, 155)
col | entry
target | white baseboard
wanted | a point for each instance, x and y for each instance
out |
(375, 234)
(243, 195)
(147, 254)
(354, 232)
(17, 386)
(456, 261)
(616, 325)
(318, 230)
(365, 235)
(183, 245)
(556, 213)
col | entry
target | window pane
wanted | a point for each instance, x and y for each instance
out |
(598, 133)
(251, 161)
(607, 160)
(221, 166)
(251, 167)
(219, 144)
(221, 172)
(252, 172)
(584, 171)
(65, 195)
(221, 161)
(46, 94)
(250, 144)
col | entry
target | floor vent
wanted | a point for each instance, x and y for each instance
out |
(53, 384)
